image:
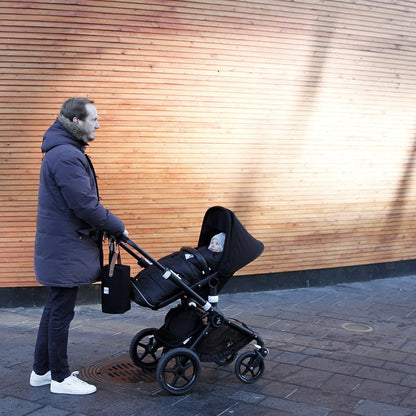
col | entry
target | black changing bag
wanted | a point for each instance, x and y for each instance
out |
(115, 286)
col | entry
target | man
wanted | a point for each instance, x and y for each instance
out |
(68, 251)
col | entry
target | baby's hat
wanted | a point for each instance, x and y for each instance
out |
(220, 238)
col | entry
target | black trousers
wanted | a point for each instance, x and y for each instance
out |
(52, 340)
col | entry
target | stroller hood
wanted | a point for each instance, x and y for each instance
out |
(240, 247)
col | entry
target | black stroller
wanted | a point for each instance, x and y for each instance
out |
(196, 330)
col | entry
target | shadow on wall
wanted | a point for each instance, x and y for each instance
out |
(293, 121)
(395, 218)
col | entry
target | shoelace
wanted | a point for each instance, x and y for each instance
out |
(75, 374)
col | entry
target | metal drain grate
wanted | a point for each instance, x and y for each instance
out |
(126, 372)
(118, 370)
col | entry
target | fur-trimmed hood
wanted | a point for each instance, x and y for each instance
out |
(74, 129)
(58, 134)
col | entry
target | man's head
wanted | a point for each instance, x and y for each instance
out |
(82, 112)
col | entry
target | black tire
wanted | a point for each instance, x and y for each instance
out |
(178, 371)
(249, 367)
(145, 351)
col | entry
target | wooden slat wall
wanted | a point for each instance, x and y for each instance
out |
(297, 115)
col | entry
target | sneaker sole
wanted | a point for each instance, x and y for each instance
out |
(39, 381)
(39, 384)
(73, 393)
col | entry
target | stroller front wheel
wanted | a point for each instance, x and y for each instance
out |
(178, 370)
(249, 367)
(145, 350)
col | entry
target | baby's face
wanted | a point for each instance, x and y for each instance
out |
(215, 246)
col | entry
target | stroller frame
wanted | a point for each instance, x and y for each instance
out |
(178, 368)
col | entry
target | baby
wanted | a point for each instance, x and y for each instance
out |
(217, 243)
(211, 253)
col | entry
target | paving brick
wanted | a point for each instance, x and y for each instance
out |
(380, 374)
(409, 381)
(330, 365)
(342, 384)
(276, 388)
(289, 357)
(409, 346)
(300, 376)
(401, 367)
(50, 411)
(371, 408)
(17, 407)
(295, 408)
(380, 353)
(410, 400)
(389, 342)
(326, 399)
(382, 392)
(358, 359)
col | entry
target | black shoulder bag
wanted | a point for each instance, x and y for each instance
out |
(115, 284)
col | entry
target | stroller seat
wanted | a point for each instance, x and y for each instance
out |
(150, 289)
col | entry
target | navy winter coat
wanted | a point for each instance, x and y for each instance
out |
(68, 204)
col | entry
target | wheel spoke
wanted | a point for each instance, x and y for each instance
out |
(175, 380)
(144, 355)
(186, 378)
(170, 370)
(247, 367)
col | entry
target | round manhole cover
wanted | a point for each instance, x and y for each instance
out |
(118, 370)
(354, 327)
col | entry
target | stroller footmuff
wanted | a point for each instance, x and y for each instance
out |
(195, 330)
(149, 287)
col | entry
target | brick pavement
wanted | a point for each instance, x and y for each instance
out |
(316, 367)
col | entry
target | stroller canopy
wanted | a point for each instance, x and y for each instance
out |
(240, 247)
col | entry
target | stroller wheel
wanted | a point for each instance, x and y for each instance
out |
(145, 350)
(227, 360)
(178, 370)
(249, 367)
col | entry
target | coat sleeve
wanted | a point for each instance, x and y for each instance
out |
(71, 173)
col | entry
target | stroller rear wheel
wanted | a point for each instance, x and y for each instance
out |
(178, 370)
(145, 350)
(249, 367)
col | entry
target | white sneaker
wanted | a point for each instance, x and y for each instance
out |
(72, 385)
(36, 380)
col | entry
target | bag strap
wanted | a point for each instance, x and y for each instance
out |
(115, 255)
